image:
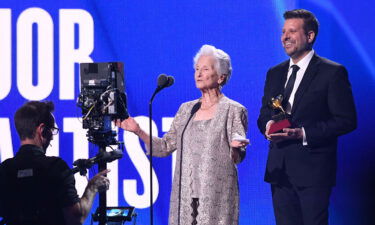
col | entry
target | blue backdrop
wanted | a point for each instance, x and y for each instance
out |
(42, 42)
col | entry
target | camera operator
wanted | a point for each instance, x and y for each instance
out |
(38, 189)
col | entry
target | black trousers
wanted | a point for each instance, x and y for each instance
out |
(300, 205)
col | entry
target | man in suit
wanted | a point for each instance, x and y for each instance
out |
(301, 165)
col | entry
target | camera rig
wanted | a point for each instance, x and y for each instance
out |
(102, 100)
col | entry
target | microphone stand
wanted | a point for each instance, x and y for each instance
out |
(163, 82)
(151, 182)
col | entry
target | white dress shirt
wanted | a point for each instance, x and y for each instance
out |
(302, 64)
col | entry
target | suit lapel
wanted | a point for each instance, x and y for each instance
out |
(306, 81)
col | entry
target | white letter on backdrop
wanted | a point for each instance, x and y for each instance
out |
(69, 55)
(44, 25)
(5, 53)
(6, 147)
(141, 163)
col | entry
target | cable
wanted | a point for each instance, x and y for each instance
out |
(195, 108)
(88, 113)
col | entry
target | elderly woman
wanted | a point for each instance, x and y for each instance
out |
(209, 135)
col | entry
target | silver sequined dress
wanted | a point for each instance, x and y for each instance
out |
(208, 171)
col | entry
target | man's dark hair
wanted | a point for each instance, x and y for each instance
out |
(310, 22)
(31, 115)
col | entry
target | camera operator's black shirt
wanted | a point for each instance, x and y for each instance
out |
(34, 188)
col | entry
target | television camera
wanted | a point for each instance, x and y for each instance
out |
(102, 100)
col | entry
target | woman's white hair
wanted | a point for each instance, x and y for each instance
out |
(222, 65)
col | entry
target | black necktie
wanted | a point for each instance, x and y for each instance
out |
(289, 86)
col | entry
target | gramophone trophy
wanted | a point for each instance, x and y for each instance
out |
(282, 118)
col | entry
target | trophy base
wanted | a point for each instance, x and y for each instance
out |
(279, 126)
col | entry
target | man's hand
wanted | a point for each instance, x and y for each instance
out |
(99, 182)
(268, 125)
(77, 213)
(287, 134)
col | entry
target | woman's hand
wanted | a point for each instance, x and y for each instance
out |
(129, 125)
(236, 145)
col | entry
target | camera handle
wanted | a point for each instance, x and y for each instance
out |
(82, 165)
(102, 158)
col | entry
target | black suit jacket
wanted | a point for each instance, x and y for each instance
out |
(324, 107)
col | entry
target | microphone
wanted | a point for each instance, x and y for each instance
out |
(163, 82)
(170, 81)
